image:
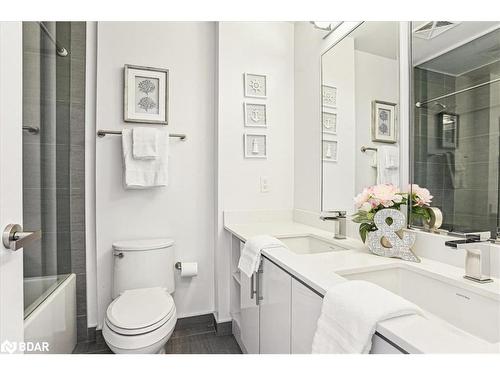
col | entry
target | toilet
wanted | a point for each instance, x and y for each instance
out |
(142, 316)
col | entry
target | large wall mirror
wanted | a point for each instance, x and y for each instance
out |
(456, 121)
(360, 110)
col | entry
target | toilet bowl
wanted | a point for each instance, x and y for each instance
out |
(142, 316)
(140, 321)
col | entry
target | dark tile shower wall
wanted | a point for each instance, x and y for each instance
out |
(466, 189)
(77, 171)
(54, 160)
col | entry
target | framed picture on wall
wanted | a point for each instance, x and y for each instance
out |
(329, 96)
(330, 151)
(255, 114)
(255, 145)
(384, 122)
(255, 85)
(145, 95)
(448, 129)
(329, 121)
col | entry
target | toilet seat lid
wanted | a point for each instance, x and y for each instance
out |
(140, 308)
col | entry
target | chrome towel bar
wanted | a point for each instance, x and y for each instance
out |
(364, 149)
(102, 133)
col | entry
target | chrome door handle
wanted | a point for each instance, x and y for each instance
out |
(14, 238)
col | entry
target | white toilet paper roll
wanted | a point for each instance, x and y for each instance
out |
(189, 269)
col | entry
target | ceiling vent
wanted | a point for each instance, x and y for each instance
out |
(432, 29)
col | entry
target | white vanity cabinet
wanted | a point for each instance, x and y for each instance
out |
(277, 314)
(274, 288)
(305, 311)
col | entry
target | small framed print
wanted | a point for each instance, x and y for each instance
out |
(329, 96)
(255, 145)
(330, 151)
(329, 121)
(145, 95)
(384, 122)
(448, 129)
(255, 85)
(255, 114)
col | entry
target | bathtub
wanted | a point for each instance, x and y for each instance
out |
(50, 316)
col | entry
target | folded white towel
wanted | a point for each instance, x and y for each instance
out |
(350, 313)
(145, 143)
(145, 173)
(250, 255)
(388, 165)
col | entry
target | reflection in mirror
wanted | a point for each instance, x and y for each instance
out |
(360, 96)
(456, 81)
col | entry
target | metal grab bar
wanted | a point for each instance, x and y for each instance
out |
(102, 133)
(364, 149)
(31, 129)
(420, 104)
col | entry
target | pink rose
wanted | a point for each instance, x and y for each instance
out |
(423, 196)
(362, 197)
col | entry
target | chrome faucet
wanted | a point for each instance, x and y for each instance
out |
(340, 217)
(477, 260)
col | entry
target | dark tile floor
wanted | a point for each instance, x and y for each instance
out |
(195, 335)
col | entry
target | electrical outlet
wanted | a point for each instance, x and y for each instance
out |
(264, 184)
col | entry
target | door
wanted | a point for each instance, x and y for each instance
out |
(11, 189)
(249, 310)
(306, 309)
(275, 293)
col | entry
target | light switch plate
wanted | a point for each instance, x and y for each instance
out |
(264, 184)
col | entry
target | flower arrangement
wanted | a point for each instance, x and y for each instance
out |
(377, 197)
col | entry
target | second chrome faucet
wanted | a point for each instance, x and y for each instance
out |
(340, 217)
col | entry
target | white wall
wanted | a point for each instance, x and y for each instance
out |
(376, 78)
(185, 209)
(263, 48)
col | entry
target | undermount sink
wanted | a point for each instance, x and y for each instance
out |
(309, 244)
(473, 313)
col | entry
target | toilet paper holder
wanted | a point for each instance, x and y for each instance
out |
(178, 266)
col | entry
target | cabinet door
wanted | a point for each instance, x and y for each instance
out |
(275, 291)
(249, 316)
(306, 308)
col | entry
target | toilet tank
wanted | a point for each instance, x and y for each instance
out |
(143, 264)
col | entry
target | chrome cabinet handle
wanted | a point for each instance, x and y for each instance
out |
(258, 297)
(252, 290)
(14, 238)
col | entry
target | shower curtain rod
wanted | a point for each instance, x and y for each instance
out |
(420, 104)
(61, 51)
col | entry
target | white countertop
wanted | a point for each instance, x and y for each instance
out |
(414, 333)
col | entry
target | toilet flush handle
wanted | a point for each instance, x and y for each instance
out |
(119, 255)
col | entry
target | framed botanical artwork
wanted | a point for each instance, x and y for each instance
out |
(448, 129)
(145, 95)
(255, 114)
(329, 96)
(255, 145)
(330, 151)
(384, 122)
(255, 85)
(329, 121)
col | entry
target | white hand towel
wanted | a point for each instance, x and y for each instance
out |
(145, 173)
(350, 313)
(144, 143)
(250, 255)
(388, 165)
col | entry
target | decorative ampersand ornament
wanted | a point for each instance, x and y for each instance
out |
(401, 247)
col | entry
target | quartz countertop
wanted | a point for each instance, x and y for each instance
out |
(415, 334)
